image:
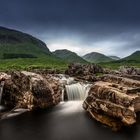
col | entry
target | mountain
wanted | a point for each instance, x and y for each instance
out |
(16, 44)
(95, 57)
(115, 57)
(69, 56)
(133, 57)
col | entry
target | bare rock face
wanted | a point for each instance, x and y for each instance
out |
(29, 90)
(114, 99)
(84, 71)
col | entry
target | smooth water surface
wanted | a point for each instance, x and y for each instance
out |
(67, 121)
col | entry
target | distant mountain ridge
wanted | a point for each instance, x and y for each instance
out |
(16, 44)
(69, 56)
(115, 57)
(95, 57)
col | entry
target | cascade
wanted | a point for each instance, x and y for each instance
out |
(63, 79)
(72, 89)
(77, 91)
(1, 90)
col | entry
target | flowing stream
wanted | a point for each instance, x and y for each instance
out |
(66, 121)
(1, 90)
(77, 91)
(73, 90)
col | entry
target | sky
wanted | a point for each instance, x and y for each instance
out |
(111, 27)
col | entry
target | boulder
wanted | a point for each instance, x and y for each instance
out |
(84, 71)
(114, 98)
(29, 90)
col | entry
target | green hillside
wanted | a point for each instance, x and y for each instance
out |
(69, 56)
(131, 60)
(134, 56)
(95, 57)
(13, 43)
(20, 51)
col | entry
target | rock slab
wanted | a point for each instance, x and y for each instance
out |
(114, 98)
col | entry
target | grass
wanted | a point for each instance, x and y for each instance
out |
(115, 65)
(32, 63)
(99, 74)
(50, 62)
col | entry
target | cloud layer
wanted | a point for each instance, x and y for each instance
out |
(106, 26)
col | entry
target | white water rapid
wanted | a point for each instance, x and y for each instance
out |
(77, 91)
(1, 90)
(71, 89)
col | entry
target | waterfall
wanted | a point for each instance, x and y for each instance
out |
(62, 96)
(72, 89)
(77, 91)
(1, 90)
(63, 79)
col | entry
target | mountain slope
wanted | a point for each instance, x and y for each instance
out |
(115, 57)
(95, 57)
(15, 44)
(69, 56)
(22, 51)
(133, 57)
(131, 60)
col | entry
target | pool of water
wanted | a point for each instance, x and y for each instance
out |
(67, 121)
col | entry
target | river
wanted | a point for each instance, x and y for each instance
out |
(67, 121)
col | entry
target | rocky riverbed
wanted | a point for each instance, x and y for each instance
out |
(110, 97)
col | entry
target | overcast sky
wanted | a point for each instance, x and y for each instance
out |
(111, 27)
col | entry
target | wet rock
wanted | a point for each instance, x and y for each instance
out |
(56, 86)
(106, 120)
(125, 71)
(114, 98)
(29, 90)
(111, 71)
(134, 77)
(84, 71)
(129, 70)
(4, 76)
(45, 72)
(126, 82)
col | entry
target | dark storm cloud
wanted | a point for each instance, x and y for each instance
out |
(70, 12)
(86, 22)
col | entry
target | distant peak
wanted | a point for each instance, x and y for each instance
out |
(69, 56)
